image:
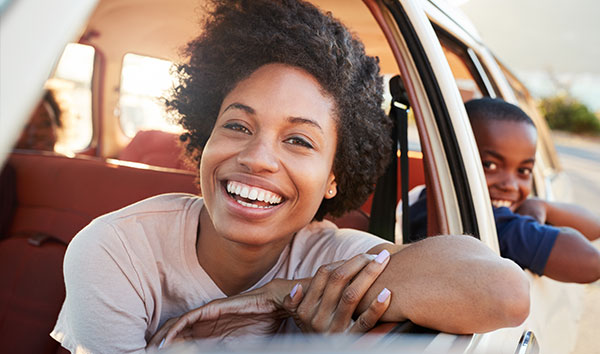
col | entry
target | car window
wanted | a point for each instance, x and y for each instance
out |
(464, 65)
(71, 85)
(144, 82)
(529, 105)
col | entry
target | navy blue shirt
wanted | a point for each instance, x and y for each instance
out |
(521, 238)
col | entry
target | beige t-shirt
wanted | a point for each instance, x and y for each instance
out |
(129, 271)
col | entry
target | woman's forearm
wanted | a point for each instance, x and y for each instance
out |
(454, 284)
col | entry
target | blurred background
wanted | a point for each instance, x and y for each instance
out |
(553, 46)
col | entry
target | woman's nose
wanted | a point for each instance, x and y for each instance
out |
(259, 156)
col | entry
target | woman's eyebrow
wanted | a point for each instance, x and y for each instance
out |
(243, 107)
(300, 120)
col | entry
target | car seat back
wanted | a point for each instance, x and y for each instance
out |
(56, 197)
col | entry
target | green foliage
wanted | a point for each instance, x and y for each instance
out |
(566, 113)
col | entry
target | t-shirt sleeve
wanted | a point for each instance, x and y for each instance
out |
(104, 310)
(324, 243)
(524, 240)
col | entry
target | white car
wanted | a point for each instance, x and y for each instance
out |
(113, 145)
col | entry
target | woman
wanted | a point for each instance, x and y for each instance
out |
(282, 111)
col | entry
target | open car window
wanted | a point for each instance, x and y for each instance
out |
(68, 101)
(145, 81)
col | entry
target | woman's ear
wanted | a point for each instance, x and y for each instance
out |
(331, 187)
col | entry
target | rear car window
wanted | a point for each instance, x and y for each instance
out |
(144, 82)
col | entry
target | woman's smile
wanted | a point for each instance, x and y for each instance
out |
(252, 197)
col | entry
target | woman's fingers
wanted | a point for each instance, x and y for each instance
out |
(160, 335)
(373, 313)
(335, 292)
(353, 293)
(312, 295)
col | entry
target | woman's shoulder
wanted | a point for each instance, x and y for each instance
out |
(139, 225)
(325, 242)
(156, 205)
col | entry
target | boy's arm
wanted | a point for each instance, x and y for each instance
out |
(573, 258)
(562, 214)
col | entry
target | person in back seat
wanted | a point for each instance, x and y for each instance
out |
(282, 109)
(548, 238)
(41, 131)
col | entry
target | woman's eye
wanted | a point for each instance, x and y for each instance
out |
(489, 165)
(299, 141)
(236, 127)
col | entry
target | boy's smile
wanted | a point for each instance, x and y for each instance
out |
(507, 151)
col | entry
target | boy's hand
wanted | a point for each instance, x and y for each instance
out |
(534, 207)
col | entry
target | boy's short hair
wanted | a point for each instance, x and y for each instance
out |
(495, 109)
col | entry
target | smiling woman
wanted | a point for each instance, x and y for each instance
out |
(282, 109)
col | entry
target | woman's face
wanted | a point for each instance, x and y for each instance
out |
(268, 162)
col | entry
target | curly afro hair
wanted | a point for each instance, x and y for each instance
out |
(242, 35)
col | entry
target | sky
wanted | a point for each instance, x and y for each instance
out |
(551, 45)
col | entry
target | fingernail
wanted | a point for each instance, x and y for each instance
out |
(294, 290)
(162, 342)
(383, 295)
(382, 256)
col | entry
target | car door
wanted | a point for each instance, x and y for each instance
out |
(555, 306)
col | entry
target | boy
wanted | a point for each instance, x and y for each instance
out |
(548, 238)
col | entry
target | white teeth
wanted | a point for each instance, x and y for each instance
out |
(254, 205)
(252, 193)
(501, 203)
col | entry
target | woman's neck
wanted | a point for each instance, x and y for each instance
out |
(233, 266)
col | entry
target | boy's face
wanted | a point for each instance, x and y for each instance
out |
(507, 151)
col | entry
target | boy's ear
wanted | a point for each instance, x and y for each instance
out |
(331, 190)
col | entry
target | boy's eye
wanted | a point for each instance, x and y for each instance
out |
(296, 140)
(489, 165)
(526, 171)
(236, 127)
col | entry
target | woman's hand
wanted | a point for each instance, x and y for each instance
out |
(334, 293)
(257, 312)
(331, 299)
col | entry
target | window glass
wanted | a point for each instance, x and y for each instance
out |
(71, 88)
(144, 81)
(460, 58)
(529, 105)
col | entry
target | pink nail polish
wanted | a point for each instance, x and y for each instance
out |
(383, 295)
(294, 290)
(382, 256)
